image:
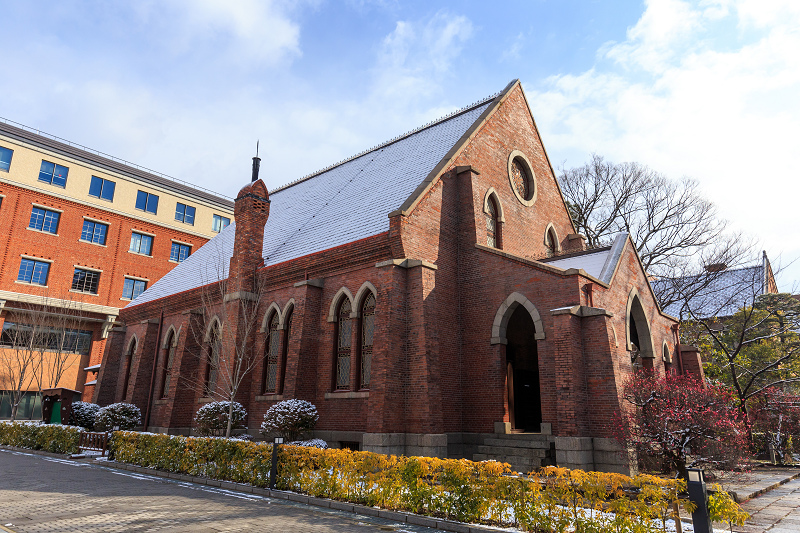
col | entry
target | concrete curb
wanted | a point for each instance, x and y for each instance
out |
(35, 452)
(406, 518)
(741, 498)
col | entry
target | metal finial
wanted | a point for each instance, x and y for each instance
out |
(256, 164)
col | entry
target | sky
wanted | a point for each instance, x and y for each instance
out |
(708, 89)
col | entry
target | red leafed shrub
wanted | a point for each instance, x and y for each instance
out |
(775, 418)
(683, 423)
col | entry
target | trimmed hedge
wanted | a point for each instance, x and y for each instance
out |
(53, 438)
(553, 499)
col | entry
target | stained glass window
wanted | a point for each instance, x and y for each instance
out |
(345, 330)
(271, 356)
(214, 348)
(167, 374)
(519, 175)
(491, 224)
(367, 337)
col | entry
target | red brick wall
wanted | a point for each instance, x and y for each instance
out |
(66, 249)
(434, 367)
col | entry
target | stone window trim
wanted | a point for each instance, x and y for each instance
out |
(341, 293)
(97, 220)
(47, 207)
(551, 228)
(666, 353)
(287, 310)
(207, 336)
(33, 258)
(273, 308)
(489, 194)
(519, 156)
(177, 334)
(366, 287)
(137, 278)
(645, 337)
(504, 313)
(91, 269)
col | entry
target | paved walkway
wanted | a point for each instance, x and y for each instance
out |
(39, 494)
(777, 511)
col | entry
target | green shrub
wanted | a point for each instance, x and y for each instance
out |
(118, 416)
(84, 414)
(53, 438)
(552, 499)
(212, 418)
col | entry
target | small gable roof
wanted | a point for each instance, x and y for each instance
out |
(345, 202)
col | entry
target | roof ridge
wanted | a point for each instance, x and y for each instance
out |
(390, 141)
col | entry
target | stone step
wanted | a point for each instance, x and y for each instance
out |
(502, 451)
(517, 463)
(516, 443)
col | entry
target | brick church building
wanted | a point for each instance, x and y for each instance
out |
(430, 296)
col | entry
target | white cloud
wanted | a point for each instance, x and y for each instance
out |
(246, 31)
(696, 90)
(417, 55)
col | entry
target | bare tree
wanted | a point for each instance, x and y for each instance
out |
(677, 232)
(749, 336)
(227, 351)
(19, 359)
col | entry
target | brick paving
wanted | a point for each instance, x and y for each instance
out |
(39, 494)
(777, 511)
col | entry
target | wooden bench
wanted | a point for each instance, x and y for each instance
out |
(94, 441)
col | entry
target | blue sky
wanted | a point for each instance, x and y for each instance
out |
(704, 88)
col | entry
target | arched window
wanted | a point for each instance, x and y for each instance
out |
(128, 366)
(212, 360)
(166, 374)
(492, 224)
(551, 242)
(667, 358)
(344, 339)
(367, 336)
(285, 352)
(270, 380)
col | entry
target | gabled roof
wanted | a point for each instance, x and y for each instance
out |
(340, 204)
(714, 294)
(600, 263)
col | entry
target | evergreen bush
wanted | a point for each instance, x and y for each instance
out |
(118, 416)
(212, 418)
(290, 419)
(84, 414)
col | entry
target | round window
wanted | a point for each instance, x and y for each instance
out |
(522, 178)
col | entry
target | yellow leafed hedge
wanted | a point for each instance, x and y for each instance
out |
(53, 438)
(553, 499)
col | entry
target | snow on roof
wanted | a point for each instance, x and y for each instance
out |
(599, 263)
(338, 205)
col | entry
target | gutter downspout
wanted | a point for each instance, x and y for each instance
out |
(153, 373)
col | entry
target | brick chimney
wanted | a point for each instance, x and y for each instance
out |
(251, 212)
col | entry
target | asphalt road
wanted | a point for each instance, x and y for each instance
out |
(39, 494)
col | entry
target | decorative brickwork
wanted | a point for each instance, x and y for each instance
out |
(446, 340)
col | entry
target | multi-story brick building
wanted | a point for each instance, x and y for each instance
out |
(82, 235)
(429, 295)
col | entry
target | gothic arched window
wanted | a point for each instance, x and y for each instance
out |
(344, 329)
(551, 242)
(212, 360)
(367, 338)
(271, 354)
(166, 373)
(128, 366)
(492, 224)
(285, 352)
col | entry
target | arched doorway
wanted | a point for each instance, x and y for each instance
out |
(522, 360)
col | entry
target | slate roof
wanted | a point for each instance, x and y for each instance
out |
(343, 203)
(600, 263)
(718, 294)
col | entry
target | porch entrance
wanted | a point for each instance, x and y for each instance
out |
(524, 394)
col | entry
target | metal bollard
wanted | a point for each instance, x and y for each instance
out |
(273, 467)
(699, 496)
